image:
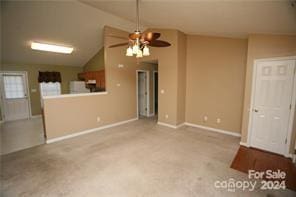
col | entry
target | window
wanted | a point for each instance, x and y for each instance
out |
(50, 88)
(14, 86)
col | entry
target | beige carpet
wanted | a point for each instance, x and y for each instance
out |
(133, 160)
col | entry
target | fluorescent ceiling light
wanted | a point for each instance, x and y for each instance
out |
(51, 48)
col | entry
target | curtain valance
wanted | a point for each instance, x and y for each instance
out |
(49, 77)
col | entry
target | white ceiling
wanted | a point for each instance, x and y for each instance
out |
(80, 25)
(233, 18)
(66, 23)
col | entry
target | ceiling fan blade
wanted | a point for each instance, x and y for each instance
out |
(159, 43)
(118, 45)
(114, 36)
(149, 36)
(134, 36)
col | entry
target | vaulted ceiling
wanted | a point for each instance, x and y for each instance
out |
(69, 23)
(234, 18)
(80, 23)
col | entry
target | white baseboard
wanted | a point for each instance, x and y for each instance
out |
(36, 116)
(89, 131)
(244, 144)
(289, 156)
(213, 129)
(170, 125)
(151, 115)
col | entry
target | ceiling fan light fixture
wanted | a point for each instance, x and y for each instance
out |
(146, 51)
(129, 51)
(135, 49)
(139, 54)
(138, 41)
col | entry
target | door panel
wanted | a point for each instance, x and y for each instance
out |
(14, 96)
(16, 109)
(271, 110)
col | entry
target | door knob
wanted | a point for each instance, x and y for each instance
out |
(255, 110)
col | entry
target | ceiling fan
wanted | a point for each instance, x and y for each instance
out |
(138, 41)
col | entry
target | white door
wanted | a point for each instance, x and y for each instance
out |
(272, 105)
(142, 93)
(14, 96)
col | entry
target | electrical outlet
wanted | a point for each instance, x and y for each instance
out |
(205, 119)
(98, 119)
(218, 120)
(118, 85)
(166, 116)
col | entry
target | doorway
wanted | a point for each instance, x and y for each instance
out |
(155, 93)
(272, 106)
(15, 100)
(19, 129)
(143, 93)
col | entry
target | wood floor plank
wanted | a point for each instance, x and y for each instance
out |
(254, 159)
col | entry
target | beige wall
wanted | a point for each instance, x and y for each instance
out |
(168, 62)
(264, 46)
(218, 78)
(215, 81)
(96, 62)
(62, 114)
(119, 104)
(181, 78)
(68, 74)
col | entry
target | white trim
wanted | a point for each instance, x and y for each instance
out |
(181, 125)
(291, 118)
(148, 92)
(276, 59)
(151, 115)
(25, 74)
(89, 131)
(36, 116)
(251, 104)
(294, 158)
(153, 80)
(74, 95)
(170, 125)
(292, 114)
(289, 155)
(232, 133)
(243, 144)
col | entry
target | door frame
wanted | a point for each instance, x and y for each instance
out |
(153, 79)
(291, 116)
(25, 73)
(147, 96)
